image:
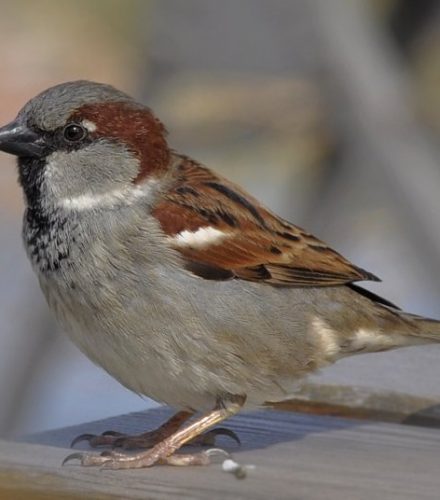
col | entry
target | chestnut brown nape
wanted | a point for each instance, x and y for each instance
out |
(136, 127)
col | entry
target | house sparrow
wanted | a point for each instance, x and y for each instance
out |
(174, 280)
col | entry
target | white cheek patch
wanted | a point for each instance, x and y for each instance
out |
(90, 126)
(88, 201)
(116, 197)
(201, 238)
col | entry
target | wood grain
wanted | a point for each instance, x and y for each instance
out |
(295, 457)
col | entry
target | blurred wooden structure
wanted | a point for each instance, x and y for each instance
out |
(295, 457)
(384, 169)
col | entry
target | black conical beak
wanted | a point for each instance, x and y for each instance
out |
(18, 139)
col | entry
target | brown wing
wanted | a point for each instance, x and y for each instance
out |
(246, 240)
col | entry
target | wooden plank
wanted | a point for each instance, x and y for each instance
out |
(295, 456)
(363, 403)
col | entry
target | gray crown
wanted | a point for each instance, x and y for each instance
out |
(50, 109)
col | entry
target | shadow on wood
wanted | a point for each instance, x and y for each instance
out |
(295, 456)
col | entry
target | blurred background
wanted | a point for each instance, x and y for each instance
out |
(327, 110)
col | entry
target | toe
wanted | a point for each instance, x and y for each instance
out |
(107, 438)
(86, 459)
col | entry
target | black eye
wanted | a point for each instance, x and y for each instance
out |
(74, 133)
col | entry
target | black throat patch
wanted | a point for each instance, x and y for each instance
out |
(46, 232)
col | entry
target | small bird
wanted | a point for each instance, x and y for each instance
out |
(173, 279)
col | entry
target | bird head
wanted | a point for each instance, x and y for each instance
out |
(83, 142)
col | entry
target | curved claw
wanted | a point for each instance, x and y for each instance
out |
(217, 451)
(209, 438)
(82, 437)
(95, 440)
(72, 456)
(223, 431)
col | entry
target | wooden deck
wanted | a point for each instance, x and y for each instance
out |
(296, 456)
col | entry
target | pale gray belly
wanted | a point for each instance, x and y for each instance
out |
(186, 342)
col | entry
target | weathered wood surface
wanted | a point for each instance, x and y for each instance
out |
(363, 403)
(295, 456)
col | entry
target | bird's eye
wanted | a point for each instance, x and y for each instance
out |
(74, 133)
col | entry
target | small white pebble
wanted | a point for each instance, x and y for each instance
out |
(235, 468)
(230, 465)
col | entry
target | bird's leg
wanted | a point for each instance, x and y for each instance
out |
(164, 451)
(150, 438)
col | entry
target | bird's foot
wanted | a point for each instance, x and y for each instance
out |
(144, 440)
(160, 454)
(164, 451)
(149, 439)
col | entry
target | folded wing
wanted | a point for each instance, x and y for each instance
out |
(222, 232)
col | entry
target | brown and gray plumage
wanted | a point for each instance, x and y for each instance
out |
(174, 280)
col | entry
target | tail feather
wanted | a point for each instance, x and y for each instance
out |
(427, 329)
(380, 327)
(390, 330)
(404, 328)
